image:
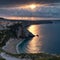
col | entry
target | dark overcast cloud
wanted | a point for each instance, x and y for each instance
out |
(43, 11)
(15, 2)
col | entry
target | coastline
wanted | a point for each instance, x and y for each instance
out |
(10, 46)
(18, 45)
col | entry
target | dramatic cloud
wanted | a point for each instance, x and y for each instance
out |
(15, 2)
(10, 8)
(43, 11)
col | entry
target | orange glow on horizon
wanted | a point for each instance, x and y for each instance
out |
(20, 18)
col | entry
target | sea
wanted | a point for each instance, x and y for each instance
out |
(46, 41)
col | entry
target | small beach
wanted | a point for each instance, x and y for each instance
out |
(11, 45)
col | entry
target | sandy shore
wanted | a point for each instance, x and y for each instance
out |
(11, 45)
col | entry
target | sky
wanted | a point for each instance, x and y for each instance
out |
(13, 8)
(17, 2)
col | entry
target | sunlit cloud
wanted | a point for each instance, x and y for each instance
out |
(31, 10)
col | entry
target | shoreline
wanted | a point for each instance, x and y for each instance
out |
(18, 45)
(11, 44)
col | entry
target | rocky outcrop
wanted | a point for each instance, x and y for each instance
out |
(19, 31)
(28, 33)
(16, 30)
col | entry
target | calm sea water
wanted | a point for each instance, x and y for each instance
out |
(48, 40)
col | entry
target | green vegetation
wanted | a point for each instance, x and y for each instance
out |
(53, 58)
(38, 56)
(34, 56)
(4, 36)
(10, 32)
(2, 59)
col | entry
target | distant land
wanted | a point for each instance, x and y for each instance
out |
(30, 22)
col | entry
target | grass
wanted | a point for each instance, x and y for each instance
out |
(34, 56)
(2, 59)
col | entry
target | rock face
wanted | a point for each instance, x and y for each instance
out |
(23, 32)
(17, 33)
(16, 30)
(20, 31)
(28, 33)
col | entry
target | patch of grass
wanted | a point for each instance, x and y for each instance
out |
(2, 59)
(35, 56)
(1, 50)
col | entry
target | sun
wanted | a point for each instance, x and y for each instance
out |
(32, 6)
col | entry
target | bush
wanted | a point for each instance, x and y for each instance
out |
(2, 59)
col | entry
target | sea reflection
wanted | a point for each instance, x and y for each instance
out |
(36, 42)
(35, 29)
